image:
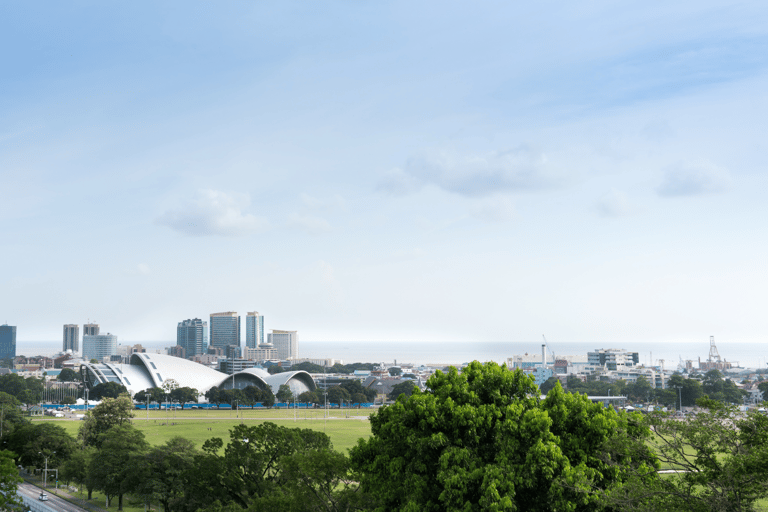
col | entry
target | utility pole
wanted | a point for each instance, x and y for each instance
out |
(45, 476)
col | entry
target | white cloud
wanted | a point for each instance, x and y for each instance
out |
(615, 204)
(143, 269)
(397, 182)
(308, 223)
(694, 178)
(522, 168)
(333, 203)
(494, 209)
(212, 212)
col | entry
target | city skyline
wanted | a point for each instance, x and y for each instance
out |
(387, 171)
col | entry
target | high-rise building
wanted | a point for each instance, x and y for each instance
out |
(225, 329)
(254, 329)
(99, 346)
(90, 329)
(71, 337)
(7, 341)
(285, 342)
(192, 335)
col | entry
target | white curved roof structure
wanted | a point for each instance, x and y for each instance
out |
(154, 370)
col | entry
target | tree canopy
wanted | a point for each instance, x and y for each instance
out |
(719, 456)
(68, 375)
(109, 413)
(9, 480)
(404, 388)
(107, 390)
(483, 439)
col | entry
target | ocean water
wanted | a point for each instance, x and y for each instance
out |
(753, 355)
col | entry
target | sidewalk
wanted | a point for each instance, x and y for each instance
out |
(64, 493)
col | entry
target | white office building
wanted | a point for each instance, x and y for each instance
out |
(99, 346)
(71, 338)
(285, 342)
(254, 329)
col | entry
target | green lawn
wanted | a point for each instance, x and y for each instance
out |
(344, 427)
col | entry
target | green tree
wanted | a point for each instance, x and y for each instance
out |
(547, 385)
(482, 439)
(68, 375)
(309, 397)
(395, 371)
(640, 390)
(275, 369)
(113, 467)
(33, 442)
(255, 395)
(9, 480)
(284, 393)
(337, 395)
(313, 480)
(11, 417)
(720, 456)
(254, 456)
(406, 388)
(156, 395)
(16, 386)
(353, 386)
(109, 413)
(307, 367)
(763, 387)
(184, 395)
(164, 470)
(107, 390)
(75, 468)
(213, 395)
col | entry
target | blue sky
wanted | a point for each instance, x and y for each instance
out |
(387, 170)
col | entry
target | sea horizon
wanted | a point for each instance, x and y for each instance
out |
(748, 355)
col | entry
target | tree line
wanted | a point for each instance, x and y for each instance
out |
(478, 439)
(712, 384)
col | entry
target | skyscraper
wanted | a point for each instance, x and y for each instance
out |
(90, 329)
(254, 329)
(99, 346)
(7, 341)
(285, 342)
(71, 337)
(225, 329)
(192, 335)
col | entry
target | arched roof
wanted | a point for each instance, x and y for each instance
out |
(278, 379)
(154, 370)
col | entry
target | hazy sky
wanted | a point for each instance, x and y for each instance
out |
(387, 170)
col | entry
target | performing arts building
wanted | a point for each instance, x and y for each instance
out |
(153, 370)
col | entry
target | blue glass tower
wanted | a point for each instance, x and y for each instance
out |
(7, 341)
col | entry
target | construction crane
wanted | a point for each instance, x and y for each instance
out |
(713, 353)
(550, 351)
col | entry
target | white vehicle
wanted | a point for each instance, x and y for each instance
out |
(43, 497)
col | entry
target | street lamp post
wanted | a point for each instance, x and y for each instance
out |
(147, 395)
(680, 394)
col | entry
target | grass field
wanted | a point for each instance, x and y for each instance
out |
(344, 427)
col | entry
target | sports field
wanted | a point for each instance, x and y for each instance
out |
(344, 426)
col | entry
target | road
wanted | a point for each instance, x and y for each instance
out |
(54, 502)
